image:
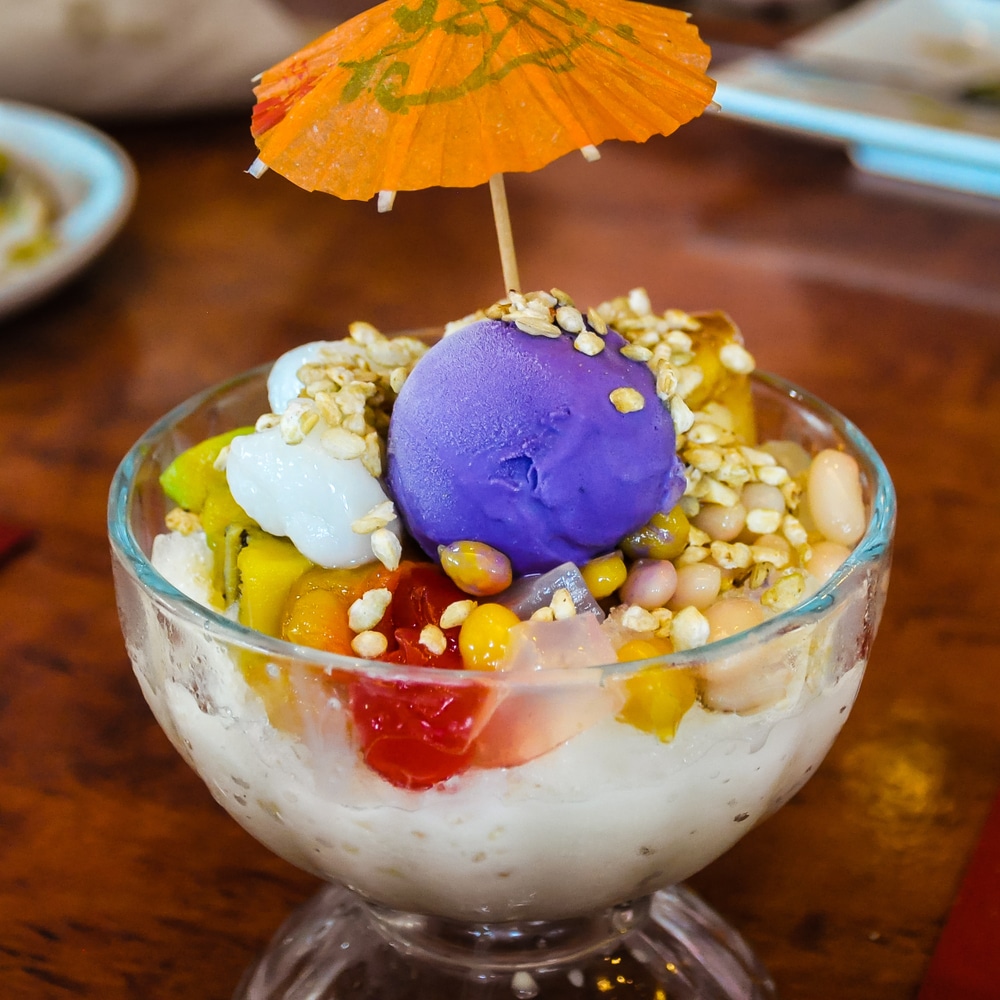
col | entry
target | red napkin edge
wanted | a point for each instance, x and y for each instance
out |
(966, 961)
(13, 539)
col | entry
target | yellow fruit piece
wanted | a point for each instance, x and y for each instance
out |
(656, 698)
(313, 611)
(317, 609)
(604, 575)
(270, 679)
(485, 636)
(224, 521)
(644, 649)
(218, 512)
(188, 479)
(268, 567)
(719, 384)
(735, 395)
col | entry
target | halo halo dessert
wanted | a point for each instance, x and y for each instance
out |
(573, 767)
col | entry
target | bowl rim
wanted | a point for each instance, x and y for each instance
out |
(874, 545)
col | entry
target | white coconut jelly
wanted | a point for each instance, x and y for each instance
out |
(611, 814)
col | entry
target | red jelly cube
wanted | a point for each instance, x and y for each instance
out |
(417, 734)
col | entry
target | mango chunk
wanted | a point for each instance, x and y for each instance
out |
(218, 511)
(189, 478)
(728, 388)
(279, 691)
(268, 567)
(317, 610)
(656, 698)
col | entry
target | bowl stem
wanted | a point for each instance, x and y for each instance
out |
(671, 944)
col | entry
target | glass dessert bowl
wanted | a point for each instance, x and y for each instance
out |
(550, 862)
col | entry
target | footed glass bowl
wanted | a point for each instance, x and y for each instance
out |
(551, 864)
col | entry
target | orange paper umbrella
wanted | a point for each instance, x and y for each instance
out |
(417, 93)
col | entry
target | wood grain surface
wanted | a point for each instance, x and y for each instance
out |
(119, 876)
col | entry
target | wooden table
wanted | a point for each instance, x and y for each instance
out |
(119, 877)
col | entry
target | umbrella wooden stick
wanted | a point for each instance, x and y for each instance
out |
(501, 218)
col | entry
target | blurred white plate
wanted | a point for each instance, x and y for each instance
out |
(94, 183)
(885, 77)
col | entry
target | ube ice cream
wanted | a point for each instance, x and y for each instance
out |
(553, 454)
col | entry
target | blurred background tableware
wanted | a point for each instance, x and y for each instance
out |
(909, 86)
(100, 58)
(90, 183)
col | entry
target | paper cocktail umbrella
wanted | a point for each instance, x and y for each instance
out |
(454, 93)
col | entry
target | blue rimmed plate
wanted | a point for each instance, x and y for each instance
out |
(93, 183)
(885, 79)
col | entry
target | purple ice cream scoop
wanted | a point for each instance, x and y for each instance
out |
(510, 439)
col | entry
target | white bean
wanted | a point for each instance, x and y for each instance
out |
(790, 454)
(826, 558)
(835, 500)
(732, 615)
(650, 583)
(697, 585)
(722, 524)
(760, 496)
(773, 541)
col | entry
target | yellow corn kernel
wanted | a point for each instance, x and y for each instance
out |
(475, 567)
(665, 536)
(485, 636)
(604, 575)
